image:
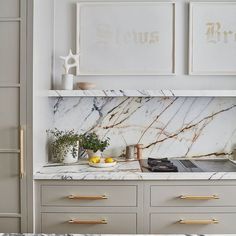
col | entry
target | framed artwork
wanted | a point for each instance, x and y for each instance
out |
(126, 38)
(212, 38)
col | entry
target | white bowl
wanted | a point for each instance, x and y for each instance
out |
(102, 164)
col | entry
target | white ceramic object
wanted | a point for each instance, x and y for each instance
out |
(70, 61)
(91, 153)
(102, 164)
(69, 158)
(67, 82)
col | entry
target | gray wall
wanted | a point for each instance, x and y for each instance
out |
(55, 34)
(65, 38)
(42, 71)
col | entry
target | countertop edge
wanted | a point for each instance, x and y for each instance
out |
(137, 176)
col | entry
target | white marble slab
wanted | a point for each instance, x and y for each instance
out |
(170, 127)
(141, 93)
(122, 171)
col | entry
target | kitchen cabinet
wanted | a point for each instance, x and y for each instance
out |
(98, 196)
(106, 222)
(191, 195)
(137, 206)
(188, 207)
(13, 212)
(187, 223)
(89, 207)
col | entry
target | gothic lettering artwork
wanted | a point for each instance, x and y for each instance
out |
(126, 38)
(212, 38)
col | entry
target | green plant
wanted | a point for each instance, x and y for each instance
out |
(63, 142)
(91, 141)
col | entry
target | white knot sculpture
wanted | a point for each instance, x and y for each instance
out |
(67, 64)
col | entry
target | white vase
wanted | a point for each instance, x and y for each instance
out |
(67, 82)
(71, 157)
(91, 153)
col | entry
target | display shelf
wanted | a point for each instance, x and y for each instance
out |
(141, 93)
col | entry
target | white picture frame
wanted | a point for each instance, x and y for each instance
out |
(117, 38)
(212, 46)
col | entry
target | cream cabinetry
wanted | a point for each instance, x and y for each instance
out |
(130, 207)
(90, 195)
(192, 195)
(190, 207)
(13, 211)
(89, 207)
(103, 222)
(187, 223)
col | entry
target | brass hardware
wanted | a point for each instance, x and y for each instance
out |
(21, 152)
(77, 197)
(192, 197)
(198, 222)
(87, 222)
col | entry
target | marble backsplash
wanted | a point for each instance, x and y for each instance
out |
(166, 126)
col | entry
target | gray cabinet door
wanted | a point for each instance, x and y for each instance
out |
(12, 115)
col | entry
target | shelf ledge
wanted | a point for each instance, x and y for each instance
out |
(142, 93)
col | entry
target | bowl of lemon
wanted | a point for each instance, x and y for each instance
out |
(102, 162)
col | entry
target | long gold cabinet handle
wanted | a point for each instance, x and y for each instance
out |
(21, 152)
(192, 197)
(87, 222)
(198, 222)
(78, 197)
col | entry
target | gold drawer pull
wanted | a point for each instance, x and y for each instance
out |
(87, 222)
(77, 197)
(198, 222)
(191, 197)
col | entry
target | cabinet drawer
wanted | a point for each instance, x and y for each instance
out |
(200, 223)
(170, 196)
(89, 195)
(114, 223)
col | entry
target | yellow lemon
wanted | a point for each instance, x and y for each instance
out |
(109, 160)
(94, 159)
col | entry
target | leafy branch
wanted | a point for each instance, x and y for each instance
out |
(91, 141)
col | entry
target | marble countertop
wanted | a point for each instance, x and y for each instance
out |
(122, 171)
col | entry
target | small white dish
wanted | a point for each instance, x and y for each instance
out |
(103, 164)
